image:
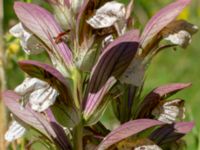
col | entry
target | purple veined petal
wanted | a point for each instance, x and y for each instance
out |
(50, 115)
(27, 64)
(126, 130)
(111, 64)
(95, 99)
(49, 74)
(166, 90)
(160, 93)
(45, 27)
(171, 132)
(61, 137)
(27, 115)
(130, 36)
(114, 60)
(183, 127)
(161, 19)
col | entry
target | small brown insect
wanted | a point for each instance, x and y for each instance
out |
(60, 37)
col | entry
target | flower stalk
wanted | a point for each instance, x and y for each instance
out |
(78, 136)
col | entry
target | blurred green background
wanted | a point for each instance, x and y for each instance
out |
(182, 65)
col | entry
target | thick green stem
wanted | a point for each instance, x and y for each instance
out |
(78, 137)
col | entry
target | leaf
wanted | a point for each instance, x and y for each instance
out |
(45, 27)
(27, 115)
(158, 94)
(171, 133)
(127, 129)
(161, 19)
(49, 74)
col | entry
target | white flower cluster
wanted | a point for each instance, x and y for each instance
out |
(39, 94)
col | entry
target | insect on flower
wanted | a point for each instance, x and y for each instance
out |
(61, 37)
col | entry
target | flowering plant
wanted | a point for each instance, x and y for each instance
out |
(98, 61)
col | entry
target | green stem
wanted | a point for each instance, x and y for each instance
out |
(78, 134)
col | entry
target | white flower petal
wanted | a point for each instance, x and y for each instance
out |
(30, 43)
(179, 32)
(170, 111)
(17, 30)
(113, 8)
(182, 38)
(102, 21)
(41, 99)
(108, 15)
(14, 132)
(29, 85)
(39, 93)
